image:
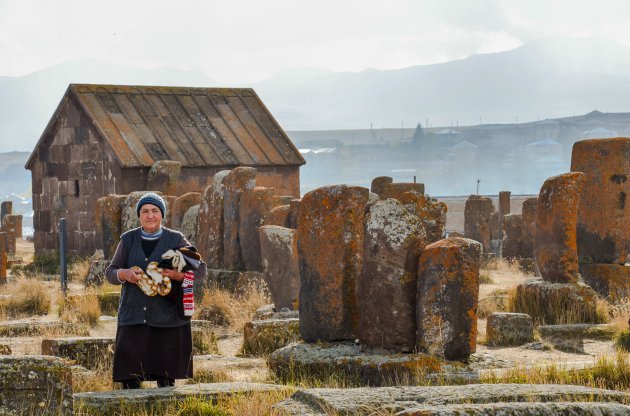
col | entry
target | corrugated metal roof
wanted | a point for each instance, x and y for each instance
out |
(456, 205)
(199, 127)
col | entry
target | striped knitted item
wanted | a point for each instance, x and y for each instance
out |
(189, 296)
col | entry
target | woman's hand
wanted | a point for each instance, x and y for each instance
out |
(129, 275)
(173, 274)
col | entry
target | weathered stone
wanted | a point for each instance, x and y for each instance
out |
(210, 227)
(232, 280)
(12, 223)
(182, 204)
(189, 224)
(374, 367)
(96, 274)
(513, 237)
(571, 337)
(477, 216)
(396, 190)
(294, 212)
(270, 312)
(108, 302)
(91, 353)
(278, 216)
(556, 220)
(471, 399)
(280, 200)
(151, 400)
(610, 281)
(386, 289)
(238, 369)
(169, 200)
(6, 207)
(504, 328)
(236, 183)
(504, 202)
(264, 337)
(3, 258)
(431, 212)
(279, 250)
(108, 223)
(603, 230)
(164, 176)
(528, 213)
(330, 253)
(378, 184)
(448, 293)
(556, 303)
(28, 381)
(28, 327)
(255, 204)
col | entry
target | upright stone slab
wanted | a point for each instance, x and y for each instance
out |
(386, 290)
(431, 212)
(330, 253)
(513, 238)
(603, 234)
(181, 205)
(556, 221)
(35, 385)
(528, 212)
(210, 226)
(236, 183)
(378, 184)
(107, 221)
(477, 216)
(278, 216)
(610, 281)
(6, 207)
(255, 204)
(189, 224)
(164, 176)
(13, 224)
(294, 211)
(504, 328)
(448, 294)
(504, 202)
(279, 250)
(396, 190)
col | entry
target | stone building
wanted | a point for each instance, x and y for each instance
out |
(103, 139)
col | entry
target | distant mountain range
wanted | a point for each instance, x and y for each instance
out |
(549, 78)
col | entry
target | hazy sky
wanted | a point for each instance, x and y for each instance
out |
(238, 41)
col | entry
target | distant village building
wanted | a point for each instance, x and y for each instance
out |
(103, 139)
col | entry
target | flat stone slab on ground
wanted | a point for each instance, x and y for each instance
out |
(373, 367)
(266, 336)
(269, 312)
(571, 337)
(89, 352)
(356, 401)
(106, 402)
(235, 368)
(27, 327)
(520, 409)
(34, 385)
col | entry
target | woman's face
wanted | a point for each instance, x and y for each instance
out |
(150, 218)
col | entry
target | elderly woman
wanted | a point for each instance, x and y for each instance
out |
(153, 338)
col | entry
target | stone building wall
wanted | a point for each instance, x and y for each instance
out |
(69, 175)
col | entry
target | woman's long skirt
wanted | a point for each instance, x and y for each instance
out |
(144, 352)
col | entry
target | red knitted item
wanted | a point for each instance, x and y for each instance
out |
(189, 296)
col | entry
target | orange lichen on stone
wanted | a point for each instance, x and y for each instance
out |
(603, 230)
(556, 222)
(448, 292)
(330, 253)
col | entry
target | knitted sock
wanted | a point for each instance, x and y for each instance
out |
(189, 297)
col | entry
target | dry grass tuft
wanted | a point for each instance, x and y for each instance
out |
(495, 302)
(25, 297)
(79, 269)
(83, 308)
(229, 309)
